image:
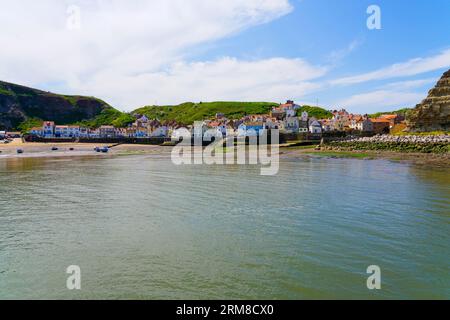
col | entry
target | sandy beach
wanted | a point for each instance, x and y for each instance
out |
(44, 150)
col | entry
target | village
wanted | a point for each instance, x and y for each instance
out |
(285, 117)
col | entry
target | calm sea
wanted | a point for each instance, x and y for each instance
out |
(141, 228)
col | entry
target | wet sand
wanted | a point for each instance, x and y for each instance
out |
(425, 159)
(44, 150)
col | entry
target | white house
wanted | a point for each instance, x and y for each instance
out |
(159, 132)
(251, 129)
(73, 131)
(36, 131)
(364, 125)
(94, 133)
(291, 124)
(304, 116)
(49, 129)
(315, 127)
(107, 132)
(221, 128)
(290, 112)
(272, 123)
(84, 132)
(61, 131)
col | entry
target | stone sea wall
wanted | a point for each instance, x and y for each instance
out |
(410, 143)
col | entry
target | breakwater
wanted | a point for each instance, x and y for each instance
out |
(409, 143)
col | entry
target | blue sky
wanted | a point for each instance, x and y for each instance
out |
(334, 32)
(167, 52)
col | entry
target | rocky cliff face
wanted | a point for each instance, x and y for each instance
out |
(19, 103)
(434, 112)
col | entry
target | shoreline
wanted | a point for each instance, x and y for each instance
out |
(417, 158)
(43, 150)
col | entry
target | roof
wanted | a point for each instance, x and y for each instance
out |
(380, 120)
(154, 122)
(254, 124)
(214, 124)
(389, 116)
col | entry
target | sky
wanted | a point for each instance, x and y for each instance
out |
(144, 52)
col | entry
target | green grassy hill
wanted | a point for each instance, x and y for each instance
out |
(316, 112)
(187, 113)
(402, 112)
(23, 107)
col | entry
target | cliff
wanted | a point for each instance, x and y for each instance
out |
(433, 114)
(19, 104)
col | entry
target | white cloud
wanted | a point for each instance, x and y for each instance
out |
(223, 79)
(404, 69)
(118, 41)
(133, 53)
(410, 84)
(337, 55)
(381, 100)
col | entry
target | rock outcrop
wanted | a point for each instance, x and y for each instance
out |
(19, 103)
(433, 114)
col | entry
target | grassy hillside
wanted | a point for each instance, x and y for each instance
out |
(23, 107)
(402, 112)
(108, 117)
(316, 112)
(187, 113)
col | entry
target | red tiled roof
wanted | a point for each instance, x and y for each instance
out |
(388, 116)
(380, 120)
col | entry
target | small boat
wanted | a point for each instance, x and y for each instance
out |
(71, 149)
(97, 149)
(54, 149)
(19, 151)
(104, 149)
